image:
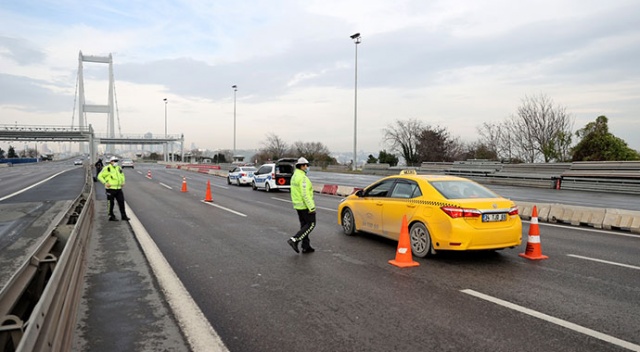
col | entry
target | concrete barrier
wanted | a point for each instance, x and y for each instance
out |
(588, 216)
(525, 209)
(329, 189)
(617, 219)
(344, 191)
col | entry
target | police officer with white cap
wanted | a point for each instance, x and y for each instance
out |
(302, 199)
(113, 179)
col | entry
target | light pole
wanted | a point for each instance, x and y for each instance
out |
(235, 89)
(165, 130)
(356, 39)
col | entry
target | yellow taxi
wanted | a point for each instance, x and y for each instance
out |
(443, 213)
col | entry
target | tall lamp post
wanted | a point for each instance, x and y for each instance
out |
(165, 130)
(235, 89)
(356, 39)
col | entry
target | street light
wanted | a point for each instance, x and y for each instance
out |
(235, 89)
(356, 39)
(165, 130)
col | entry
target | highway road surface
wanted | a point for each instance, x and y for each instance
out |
(259, 295)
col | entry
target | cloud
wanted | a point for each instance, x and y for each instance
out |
(455, 63)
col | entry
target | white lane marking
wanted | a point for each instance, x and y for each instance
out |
(554, 320)
(140, 172)
(195, 326)
(223, 187)
(33, 185)
(288, 201)
(223, 208)
(585, 229)
(163, 185)
(604, 261)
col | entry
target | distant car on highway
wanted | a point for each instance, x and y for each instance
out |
(443, 213)
(274, 175)
(77, 162)
(241, 175)
(126, 163)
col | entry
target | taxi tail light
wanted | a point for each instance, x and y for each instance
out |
(513, 210)
(242, 174)
(456, 212)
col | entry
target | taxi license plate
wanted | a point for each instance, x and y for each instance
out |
(494, 217)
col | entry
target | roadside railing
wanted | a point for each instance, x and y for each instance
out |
(606, 176)
(38, 305)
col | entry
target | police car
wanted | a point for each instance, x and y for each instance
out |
(241, 175)
(274, 176)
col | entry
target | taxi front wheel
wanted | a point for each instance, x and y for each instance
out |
(420, 240)
(348, 222)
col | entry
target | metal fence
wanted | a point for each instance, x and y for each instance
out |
(38, 305)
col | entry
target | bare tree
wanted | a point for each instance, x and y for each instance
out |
(316, 152)
(494, 138)
(403, 138)
(436, 144)
(274, 148)
(541, 129)
(518, 138)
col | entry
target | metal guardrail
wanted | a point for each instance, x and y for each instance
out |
(38, 305)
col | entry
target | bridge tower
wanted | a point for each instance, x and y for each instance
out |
(84, 108)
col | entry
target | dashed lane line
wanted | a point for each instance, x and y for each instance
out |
(223, 208)
(163, 185)
(554, 320)
(604, 261)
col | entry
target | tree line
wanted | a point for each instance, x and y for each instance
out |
(539, 131)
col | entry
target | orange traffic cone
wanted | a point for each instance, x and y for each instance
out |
(184, 184)
(207, 197)
(403, 254)
(534, 250)
(149, 174)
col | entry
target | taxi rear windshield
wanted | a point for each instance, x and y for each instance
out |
(462, 190)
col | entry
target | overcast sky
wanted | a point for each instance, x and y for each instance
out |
(450, 63)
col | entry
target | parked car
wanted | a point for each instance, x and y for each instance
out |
(77, 162)
(126, 163)
(274, 175)
(241, 175)
(443, 213)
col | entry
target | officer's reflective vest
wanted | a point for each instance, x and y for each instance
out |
(302, 191)
(113, 175)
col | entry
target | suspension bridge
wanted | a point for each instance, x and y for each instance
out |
(84, 133)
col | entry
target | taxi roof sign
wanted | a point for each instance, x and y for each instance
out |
(408, 172)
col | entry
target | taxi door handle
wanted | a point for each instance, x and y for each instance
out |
(379, 203)
(411, 205)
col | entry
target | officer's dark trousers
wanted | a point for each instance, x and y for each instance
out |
(118, 196)
(307, 224)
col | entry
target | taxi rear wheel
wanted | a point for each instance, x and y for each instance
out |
(348, 222)
(420, 240)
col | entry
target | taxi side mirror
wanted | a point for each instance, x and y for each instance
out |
(359, 193)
